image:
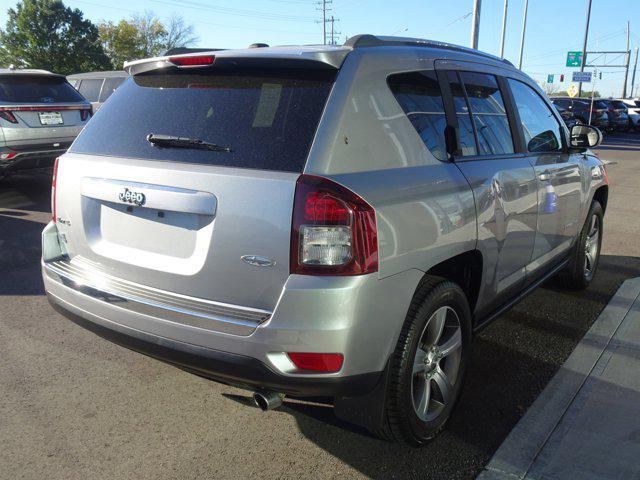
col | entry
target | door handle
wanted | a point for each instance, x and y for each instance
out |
(544, 176)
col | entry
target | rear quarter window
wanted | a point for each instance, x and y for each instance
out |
(267, 117)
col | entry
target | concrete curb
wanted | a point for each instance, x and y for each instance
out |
(516, 455)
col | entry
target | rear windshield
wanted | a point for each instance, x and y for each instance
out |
(266, 117)
(22, 88)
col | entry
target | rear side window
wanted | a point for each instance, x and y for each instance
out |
(489, 113)
(110, 84)
(540, 128)
(23, 88)
(418, 93)
(90, 88)
(465, 128)
(267, 117)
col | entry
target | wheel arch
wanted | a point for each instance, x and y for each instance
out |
(602, 196)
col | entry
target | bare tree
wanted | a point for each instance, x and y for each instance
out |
(549, 88)
(179, 33)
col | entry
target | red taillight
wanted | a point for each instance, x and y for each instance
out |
(85, 114)
(8, 116)
(333, 231)
(8, 156)
(54, 181)
(195, 61)
(317, 362)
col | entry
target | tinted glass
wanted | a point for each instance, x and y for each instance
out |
(467, 139)
(562, 102)
(540, 128)
(110, 84)
(36, 89)
(90, 88)
(489, 113)
(418, 93)
(267, 118)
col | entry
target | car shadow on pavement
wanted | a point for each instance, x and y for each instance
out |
(513, 360)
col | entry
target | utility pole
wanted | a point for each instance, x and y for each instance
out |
(334, 34)
(633, 77)
(524, 29)
(584, 46)
(626, 70)
(324, 9)
(504, 28)
(475, 25)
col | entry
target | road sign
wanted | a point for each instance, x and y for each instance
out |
(550, 78)
(572, 91)
(584, 77)
(574, 59)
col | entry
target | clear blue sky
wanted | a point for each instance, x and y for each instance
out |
(553, 26)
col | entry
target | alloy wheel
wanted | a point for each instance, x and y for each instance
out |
(592, 247)
(436, 364)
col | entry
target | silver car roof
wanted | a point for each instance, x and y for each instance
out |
(331, 55)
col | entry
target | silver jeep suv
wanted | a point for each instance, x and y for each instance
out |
(40, 115)
(329, 221)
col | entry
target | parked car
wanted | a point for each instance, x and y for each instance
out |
(332, 221)
(617, 112)
(567, 116)
(97, 86)
(582, 111)
(632, 108)
(40, 115)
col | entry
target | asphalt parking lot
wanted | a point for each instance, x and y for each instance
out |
(73, 406)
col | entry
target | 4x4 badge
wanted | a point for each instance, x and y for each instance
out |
(132, 197)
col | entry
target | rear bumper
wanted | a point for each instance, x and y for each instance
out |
(225, 367)
(360, 317)
(31, 156)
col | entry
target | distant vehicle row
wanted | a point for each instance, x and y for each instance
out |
(606, 114)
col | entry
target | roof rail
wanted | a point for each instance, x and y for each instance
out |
(258, 45)
(183, 50)
(368, 40)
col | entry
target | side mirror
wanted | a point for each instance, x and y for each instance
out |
(585, 136)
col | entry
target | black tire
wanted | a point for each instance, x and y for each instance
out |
(403, 423)
(580, 271)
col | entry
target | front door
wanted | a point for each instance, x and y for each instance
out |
(557, 176)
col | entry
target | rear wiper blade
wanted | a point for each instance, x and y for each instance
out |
(169, 141)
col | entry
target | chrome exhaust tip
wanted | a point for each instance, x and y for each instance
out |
(267, 400)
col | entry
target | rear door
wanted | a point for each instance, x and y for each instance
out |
(503, 181)
(90, 89)
(557, 175)
(183, 219)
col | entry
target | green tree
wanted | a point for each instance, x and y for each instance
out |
(46, 34)
(143, 36)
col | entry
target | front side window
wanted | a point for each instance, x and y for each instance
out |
(489, 113)
(539, 126)
(418, 93)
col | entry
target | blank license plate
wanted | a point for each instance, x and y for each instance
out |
(50, 118)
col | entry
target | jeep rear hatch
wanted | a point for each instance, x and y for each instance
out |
(178, 217)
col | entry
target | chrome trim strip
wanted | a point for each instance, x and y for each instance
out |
(87, 278)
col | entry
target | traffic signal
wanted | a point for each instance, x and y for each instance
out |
(562, 77)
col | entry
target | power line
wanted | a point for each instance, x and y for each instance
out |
(236, 11)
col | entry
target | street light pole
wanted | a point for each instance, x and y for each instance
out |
(504, 28)
(524, 29)
(475, 26)
(584, 46)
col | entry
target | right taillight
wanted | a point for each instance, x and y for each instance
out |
(54, 181)
(333, 231)
(8, 116)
